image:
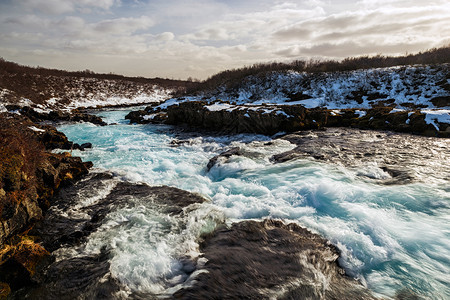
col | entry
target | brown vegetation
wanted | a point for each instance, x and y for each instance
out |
(29, 176)
(14, 68)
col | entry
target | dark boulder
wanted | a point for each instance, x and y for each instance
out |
(270, 259)
(85, 146)
(443, 101)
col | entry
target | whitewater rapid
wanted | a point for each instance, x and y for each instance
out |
(391, 237)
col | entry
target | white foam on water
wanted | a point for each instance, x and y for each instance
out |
(381, 230)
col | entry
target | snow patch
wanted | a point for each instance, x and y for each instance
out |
(220, 106)
(396, 110)
(149, 117)
(360, 113)
(34, 128)
(335, 112)
(433, 116)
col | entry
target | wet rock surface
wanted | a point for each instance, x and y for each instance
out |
(271, 260)
(224, 155)
(394, 158)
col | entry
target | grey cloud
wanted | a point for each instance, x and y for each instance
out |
(123, 25)
(49, 6)
(292, 34)
(165, 36)
(350, 48)
(28, 21)
(71, 24)
(213, 34)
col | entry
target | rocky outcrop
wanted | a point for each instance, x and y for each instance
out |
(29, 176)
(271, 260)
(271, 119)
(241, 119)
(56, 115)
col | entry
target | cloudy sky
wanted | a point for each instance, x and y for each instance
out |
(178, 39)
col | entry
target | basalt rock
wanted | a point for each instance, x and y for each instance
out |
(85, 146)
(271, 260)
(245, 119)
(443, 101)
(268, 120)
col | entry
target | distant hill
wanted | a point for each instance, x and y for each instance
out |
(231, 79)
(51, 88)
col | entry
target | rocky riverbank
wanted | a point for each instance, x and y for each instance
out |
(271, 119)
(29, 177)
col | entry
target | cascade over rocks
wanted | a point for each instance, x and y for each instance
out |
(241, 258)
(227, 154)
(89, 276)
(395, 154)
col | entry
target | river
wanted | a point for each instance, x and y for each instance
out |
(392, 237)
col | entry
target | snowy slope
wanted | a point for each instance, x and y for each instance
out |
(46, 93)
(353, 89)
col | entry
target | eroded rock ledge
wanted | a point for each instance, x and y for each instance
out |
(270, 119)
(29, 177)
(271, 260)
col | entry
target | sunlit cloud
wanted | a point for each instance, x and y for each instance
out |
(177, 39)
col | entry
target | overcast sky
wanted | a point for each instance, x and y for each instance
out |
(178, 39)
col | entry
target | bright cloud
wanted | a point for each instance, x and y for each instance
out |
(178, 39)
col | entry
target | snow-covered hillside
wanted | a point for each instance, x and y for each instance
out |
(403, 87)
(66, 93)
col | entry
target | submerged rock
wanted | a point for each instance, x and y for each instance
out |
(85, 146)
(384, 157)
(271, 260)
(227, 154)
